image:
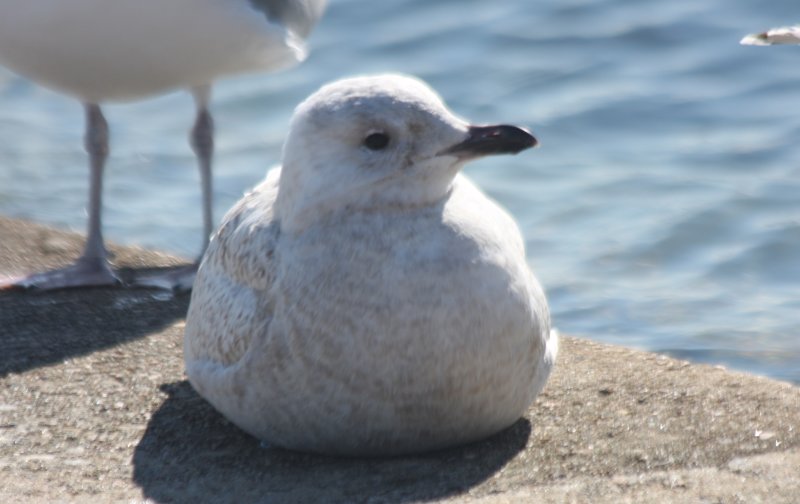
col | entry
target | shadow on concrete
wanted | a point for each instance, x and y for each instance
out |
(190, 453)
(42, 328)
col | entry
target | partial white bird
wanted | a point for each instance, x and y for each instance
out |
(118, 50)
(366, 298)
(774, 36)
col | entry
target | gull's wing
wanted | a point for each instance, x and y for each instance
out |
(230, 299)
(298, 16)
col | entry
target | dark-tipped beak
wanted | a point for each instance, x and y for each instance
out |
(487, 140)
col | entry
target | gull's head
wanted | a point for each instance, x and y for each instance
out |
(374, 142)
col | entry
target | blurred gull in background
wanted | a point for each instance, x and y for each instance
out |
(776, 36)
(98, 51)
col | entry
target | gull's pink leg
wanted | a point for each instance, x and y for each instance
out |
(202, 142)
(91, 269)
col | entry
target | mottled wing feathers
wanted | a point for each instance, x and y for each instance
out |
(230, 302)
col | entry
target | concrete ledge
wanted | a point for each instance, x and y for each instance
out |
(94, 407)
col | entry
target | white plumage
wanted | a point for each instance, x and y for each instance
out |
(366, 298)
(117, 50)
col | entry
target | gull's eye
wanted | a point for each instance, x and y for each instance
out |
(376, 141)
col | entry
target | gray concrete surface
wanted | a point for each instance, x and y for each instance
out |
(94, 407)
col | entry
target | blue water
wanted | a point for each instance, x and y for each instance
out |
(661, 212)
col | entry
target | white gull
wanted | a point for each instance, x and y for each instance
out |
(774, 36)
(117, 50)
(367, 298)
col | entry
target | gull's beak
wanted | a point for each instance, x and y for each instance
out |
(487, 140)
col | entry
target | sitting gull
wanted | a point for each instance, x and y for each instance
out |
(775, 36)
(100, 50)
(367, 298)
